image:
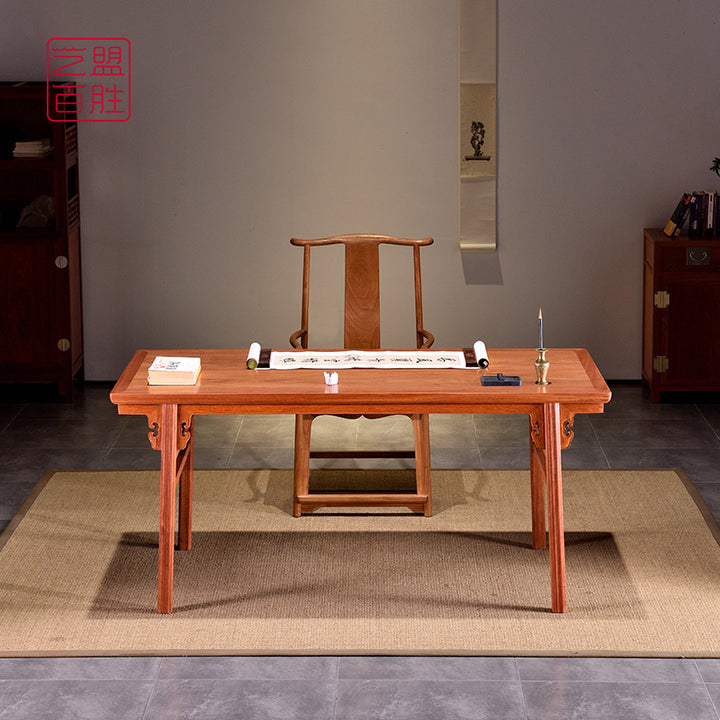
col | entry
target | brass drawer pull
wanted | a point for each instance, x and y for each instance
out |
(697, 256)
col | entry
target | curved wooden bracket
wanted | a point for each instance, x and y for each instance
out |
(567, 435)
(185, 429)
(153, 417)
(537, 431)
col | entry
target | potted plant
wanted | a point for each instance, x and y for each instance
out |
(715, 166)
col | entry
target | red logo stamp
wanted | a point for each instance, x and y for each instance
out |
(88, 79)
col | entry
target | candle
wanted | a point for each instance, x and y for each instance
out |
(540, 328)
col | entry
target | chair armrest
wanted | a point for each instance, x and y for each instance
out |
(429, 339)
(295, 340)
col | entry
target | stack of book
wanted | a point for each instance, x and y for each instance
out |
(33, 148)
(700, 210)
(174, 370)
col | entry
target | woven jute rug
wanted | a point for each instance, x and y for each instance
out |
(78, 570)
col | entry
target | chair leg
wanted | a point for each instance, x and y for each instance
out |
(301, 472)
(421, 429)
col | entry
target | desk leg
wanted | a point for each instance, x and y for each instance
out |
(421, 432)
(553, 475)
(537, 493)
(301, 477)
(186, 487)
(168, 469)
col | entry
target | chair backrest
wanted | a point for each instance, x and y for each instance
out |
(362, 289)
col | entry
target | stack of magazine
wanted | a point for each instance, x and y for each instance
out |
(33, 148)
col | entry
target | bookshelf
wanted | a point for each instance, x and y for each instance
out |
(40, 282)
(681, 314)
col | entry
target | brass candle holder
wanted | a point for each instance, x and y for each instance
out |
(541, 367)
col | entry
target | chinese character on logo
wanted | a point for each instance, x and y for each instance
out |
(107, 60)
(88, 79)
(68, 101)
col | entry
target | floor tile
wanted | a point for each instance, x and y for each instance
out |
(216, 430)
(700, 466)
(461, 458)
(714, 692)
(710, 493)
(711, 414)
(212, 458)
(38, 461)
(334, 433)
(90, 401)
(668, 670)
(233, 699)
(709, 669)
(7, 414)
(70, 700)
(632, 401)
(266, 431)
(394, 432)
(86, 433)
(251, 457)
(691, 433)
(124, 458)
(96, 668)
(494, 457)
(509, 431)
(452, 431)
(584, 457)
(613, 700)
(428, 668)
(428, 700)
(249, 668)
(132, 432)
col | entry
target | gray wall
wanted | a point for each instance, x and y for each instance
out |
(256, 121)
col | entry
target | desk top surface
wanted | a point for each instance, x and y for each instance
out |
(225, 381)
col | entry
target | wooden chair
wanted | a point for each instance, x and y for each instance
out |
(362, 332)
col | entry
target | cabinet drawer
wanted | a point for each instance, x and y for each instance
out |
(700, 257)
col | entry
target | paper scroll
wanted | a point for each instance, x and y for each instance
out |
(253, 356)
(481, 355)
(337, 360)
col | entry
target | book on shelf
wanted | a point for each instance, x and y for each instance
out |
(677, 220)
(700, 210)
(174, 370)
(693, 219)
(33, 148)
(710, 221)
(704, 216)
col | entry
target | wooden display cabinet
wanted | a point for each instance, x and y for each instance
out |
(40, 288)
(681, 314)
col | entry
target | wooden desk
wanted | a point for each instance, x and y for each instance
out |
(227, 387)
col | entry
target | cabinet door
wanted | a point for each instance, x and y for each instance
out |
(27, 291)
(693, 335)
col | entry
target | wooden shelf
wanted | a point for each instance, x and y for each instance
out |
(41, 332)
(681, 314)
